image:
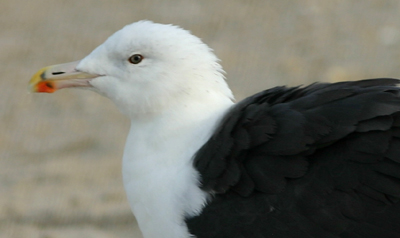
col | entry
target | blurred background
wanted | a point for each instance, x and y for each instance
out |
(60, 154)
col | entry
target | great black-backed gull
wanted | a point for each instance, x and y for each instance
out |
(321, 161)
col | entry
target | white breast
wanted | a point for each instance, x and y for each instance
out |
(161, 184)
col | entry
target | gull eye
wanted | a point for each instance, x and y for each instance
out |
(135, 59)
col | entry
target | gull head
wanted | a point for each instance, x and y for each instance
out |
(143, 68)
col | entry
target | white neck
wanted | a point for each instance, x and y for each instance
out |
(161, 184)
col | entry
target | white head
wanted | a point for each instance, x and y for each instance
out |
(142, 68)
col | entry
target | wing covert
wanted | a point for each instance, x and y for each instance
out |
(324, 160)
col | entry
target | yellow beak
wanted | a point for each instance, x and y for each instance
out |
(52, 78)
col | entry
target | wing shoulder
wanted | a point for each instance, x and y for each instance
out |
(270, 136)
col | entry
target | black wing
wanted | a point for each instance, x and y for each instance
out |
(318, 162)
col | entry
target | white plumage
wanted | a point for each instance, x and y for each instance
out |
(174, 99)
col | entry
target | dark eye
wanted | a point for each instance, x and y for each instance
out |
(135, 59)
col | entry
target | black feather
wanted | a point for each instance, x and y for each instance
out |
(321, 161)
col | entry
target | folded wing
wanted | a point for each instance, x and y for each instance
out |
(318, 161)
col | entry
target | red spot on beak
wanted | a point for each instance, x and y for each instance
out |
(45, 87)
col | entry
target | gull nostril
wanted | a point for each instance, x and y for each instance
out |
(57, 73)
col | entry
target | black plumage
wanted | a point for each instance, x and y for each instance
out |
(321, 161)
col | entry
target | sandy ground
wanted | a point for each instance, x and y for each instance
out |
(60, 154)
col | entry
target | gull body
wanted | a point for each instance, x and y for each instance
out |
(319, 161)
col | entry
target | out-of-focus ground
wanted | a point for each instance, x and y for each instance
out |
(60, 154)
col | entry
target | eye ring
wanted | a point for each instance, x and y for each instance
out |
(135, 59)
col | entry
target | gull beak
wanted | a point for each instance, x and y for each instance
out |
(52, 78)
